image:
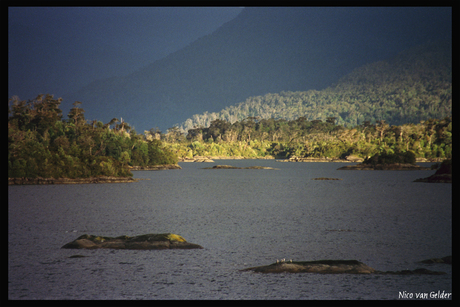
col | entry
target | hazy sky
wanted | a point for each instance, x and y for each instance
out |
(57, 50)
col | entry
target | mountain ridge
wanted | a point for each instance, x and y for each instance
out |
(412, 86)
(262, 50)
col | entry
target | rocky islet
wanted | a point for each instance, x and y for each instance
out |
(442, 175)
(234, 167)
(143, 242)
(174, 241)
(335, 267)
(385, 167)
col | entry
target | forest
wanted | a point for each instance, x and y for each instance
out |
(43, 144)
(413, 86)
(395, 106)
(256, 138)
(398, 105)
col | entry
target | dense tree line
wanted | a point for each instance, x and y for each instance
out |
(255, 137)
(370, 111)
(43, 144)
(415, 85)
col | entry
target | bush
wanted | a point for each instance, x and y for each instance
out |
(160, 155)
(445, 168)
(384, 158)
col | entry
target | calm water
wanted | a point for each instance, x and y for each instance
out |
(242, 218)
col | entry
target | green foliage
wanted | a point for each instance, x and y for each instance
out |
(42, 144)
(445, 167)
(373, 110)
(38, 114)
(160, 155)
(391, 158)
(416, 85)
(369, 113)
(302, 138)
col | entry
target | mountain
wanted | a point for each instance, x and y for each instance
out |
(263, 50)
(414, 85)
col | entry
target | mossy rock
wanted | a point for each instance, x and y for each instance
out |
(317, 266)
(332, 267)
(171, 237)
(146, 241)
(446, 260)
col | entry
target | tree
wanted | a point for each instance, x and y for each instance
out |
(46, 113)
(159, 155)
(76, 115)
(111, 122)
(173, 134)
(41, 143)
(331, 120)
(381, 128)
(124, 157)
(430, 129)
(38, 114)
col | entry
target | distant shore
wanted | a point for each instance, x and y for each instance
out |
(99, 179)
(387, 167)
(347, 159)
(155, 167)
(212, 158)
(41, 180)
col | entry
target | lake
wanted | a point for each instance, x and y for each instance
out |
(242, 218)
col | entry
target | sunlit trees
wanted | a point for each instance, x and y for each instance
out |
(304, 138)
(414, 86)
(173, 134)
(36, 115)
(42, 144)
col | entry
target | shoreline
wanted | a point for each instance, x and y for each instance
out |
(323, 159)
(385, 167)
(350, 159)
(200, 159)
(98, 179)
(41, 180)
(155, 167)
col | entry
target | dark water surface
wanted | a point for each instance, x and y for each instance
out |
(242, 218)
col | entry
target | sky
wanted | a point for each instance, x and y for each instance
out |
(57, 50)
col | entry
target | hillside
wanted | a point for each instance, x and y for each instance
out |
(415, 85)
(263, 50)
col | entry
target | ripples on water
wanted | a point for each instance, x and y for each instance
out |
(242, 218)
